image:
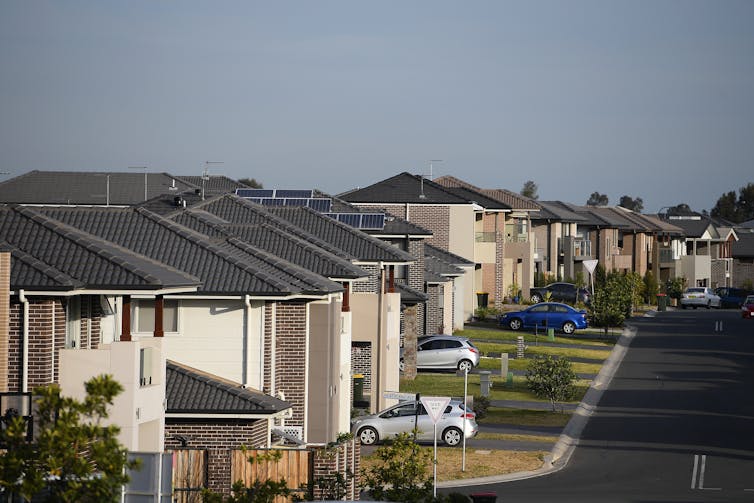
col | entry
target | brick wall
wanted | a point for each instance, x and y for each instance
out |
(434, 312)
(743, 272)
(343, 458)
(433, 217)
(290, 353)
(416, 278)
(361, 361)
(4, 317)
(218, 439)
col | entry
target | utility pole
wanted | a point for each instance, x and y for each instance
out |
(205, 174)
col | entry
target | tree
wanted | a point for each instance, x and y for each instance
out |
(636, 205)
(251, 182)
(551, 378)
(615, 298)
(73, 457)
(680, 210)
(530, 190)
(736, 210)
(401, 473)
(597, 199)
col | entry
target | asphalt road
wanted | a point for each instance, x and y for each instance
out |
(675, 424)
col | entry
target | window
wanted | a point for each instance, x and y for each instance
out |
(143, 315)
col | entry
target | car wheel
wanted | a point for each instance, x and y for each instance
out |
(708, 304)
(569, 327)
(452, 436)
(465, 366)
(536, 298)
(515, 324)
(368, 436)
(402, 365)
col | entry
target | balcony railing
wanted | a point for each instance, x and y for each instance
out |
(485, 237)
(666, 256)
(582, 248)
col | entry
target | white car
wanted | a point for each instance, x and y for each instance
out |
(454, 423)
(444, 352)
(699, 296)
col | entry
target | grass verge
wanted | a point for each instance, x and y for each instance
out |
(479, 463)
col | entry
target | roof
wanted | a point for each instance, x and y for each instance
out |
(410, 295)
(51, 255)
(404, 188)
(694, 226)
(89, 187)
(273, 240)
(446, 256)
(394, 226)
(192, 391)
(213, 185)
(557, 211)
(224, 265)
(744, 246)
(506, 198)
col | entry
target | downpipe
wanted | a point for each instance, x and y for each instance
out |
(25, 343)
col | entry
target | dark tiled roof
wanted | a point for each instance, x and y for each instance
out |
(353, 241)
(500, 198)
(236, 210)
(439, 267)
(168, 203)
(404, 188)
(557, 211)
(191, 391)
(88, 187)
(512, 199)
(602, 216)
(65, 255)
(446, 256)
(223, 266)
(664, 227)
(744, 247)
(394, 226)
(694, 226)
(214, 184)
(410, 295)
(31, 274)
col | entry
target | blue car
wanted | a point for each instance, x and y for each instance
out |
(546, 315)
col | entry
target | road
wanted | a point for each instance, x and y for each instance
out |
(675, 424)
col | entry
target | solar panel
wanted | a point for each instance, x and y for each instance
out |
(294, 193)
(273, 201)
(352, 219)
(321, 204)
(372, 221)
(254, 192)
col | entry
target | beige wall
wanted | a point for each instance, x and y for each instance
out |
(138, 410)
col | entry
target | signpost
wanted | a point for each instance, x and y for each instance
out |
(435, 406)
(590, 265)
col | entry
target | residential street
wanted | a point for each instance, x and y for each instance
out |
(675, 423)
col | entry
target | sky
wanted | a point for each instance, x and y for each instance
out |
(649, 99)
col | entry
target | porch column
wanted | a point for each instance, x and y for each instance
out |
(346, 307)
(125, 320)
(159, 304)
(391, 279)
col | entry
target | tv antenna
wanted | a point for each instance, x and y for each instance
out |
(205, 174)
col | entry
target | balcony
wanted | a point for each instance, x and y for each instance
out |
(484, 237)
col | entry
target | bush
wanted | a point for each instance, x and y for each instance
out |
(402, 472)
(481, 405)
(552, 379)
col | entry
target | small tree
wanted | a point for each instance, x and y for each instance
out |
(401, 473)
(651, 288)
(551, 378)
(73, 456)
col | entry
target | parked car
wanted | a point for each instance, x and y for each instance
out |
(747, 309)
(559, 292)
(546, 315)
(456, 421)
(731, 297)
(444, 352)
(699, 296)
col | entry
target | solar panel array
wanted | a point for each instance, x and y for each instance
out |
(287, 197)
(371, 221)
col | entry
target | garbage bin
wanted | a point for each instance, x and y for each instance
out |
(483, 497)
(482, 299)
(358, 388)
(662, 302)
(485, 383)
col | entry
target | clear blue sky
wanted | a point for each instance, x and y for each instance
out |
(651, 99)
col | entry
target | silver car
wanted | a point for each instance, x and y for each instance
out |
(455, 421)
(445, 352)
(699, 297)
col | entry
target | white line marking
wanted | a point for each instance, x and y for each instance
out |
(701, 476)
(693, 473)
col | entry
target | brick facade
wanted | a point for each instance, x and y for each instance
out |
(218, 438)
(361, 361)
(290, 356)
(4, 317)
(343, 458)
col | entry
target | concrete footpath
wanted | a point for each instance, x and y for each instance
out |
(562, 450)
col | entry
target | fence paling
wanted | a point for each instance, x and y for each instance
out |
(189, 474)
(293, 465)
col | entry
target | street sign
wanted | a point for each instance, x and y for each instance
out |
(435, 406)
(590, 265)
(395, 395)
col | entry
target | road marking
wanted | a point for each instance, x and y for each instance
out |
(699, 470)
